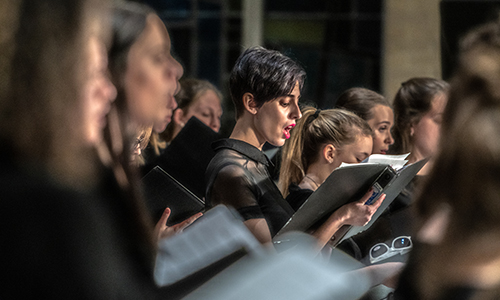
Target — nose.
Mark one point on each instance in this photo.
(389, 140)
(111, 90)
(105, 90)
(296, 113)
(215, 124)
(179, 70)
(173, 104)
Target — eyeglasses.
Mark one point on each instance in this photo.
(381, 251)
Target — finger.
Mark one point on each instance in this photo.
(366, 196)
(164, 218)
(187, 222)
(379, 201)
(194, 217)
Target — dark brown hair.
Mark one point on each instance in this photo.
(266, 74)
(413, 100)
(361, 101)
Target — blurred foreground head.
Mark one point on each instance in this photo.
(43, 67)
(459, 208)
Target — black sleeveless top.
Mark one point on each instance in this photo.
(238, 176)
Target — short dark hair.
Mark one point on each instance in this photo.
(266, 74)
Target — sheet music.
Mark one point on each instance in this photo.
(212, 237)
(291, 275)
(397, 162)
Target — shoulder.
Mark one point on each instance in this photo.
(227, 161)
(297, 196)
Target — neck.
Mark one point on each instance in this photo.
(316, 174)
(417, 155)
(177, 129)
(244, 131)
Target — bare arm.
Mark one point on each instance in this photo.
(260, 229)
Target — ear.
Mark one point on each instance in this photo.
(412, 130)
(178, 117)
(329, 153)
(249, 103)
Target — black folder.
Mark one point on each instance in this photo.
(345, 185)
(161, 190)
(188, 155)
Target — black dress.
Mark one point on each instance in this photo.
(238, 176)
(58, 243)
(297, 196)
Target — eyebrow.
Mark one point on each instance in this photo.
(384, 122)
(158, 47)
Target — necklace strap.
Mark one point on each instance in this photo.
(314, 181)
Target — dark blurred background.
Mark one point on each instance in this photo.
(375, 44)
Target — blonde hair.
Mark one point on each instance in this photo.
(142, 141)
(315, 129)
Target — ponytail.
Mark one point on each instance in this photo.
(315, 129)
(292, 161)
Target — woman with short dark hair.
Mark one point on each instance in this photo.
(265, 88)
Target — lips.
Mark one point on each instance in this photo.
(287, 129)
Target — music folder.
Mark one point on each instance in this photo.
(187, 157)
(345, 185)
(161, 190)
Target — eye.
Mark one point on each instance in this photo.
(285, 103)
(382, 128)
(160, 58)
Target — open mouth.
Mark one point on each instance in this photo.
(287, 129)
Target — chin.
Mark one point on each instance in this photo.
(278, 143)
(160, 128)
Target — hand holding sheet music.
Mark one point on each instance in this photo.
(162, 231)
(347, 184)
(359, 213)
